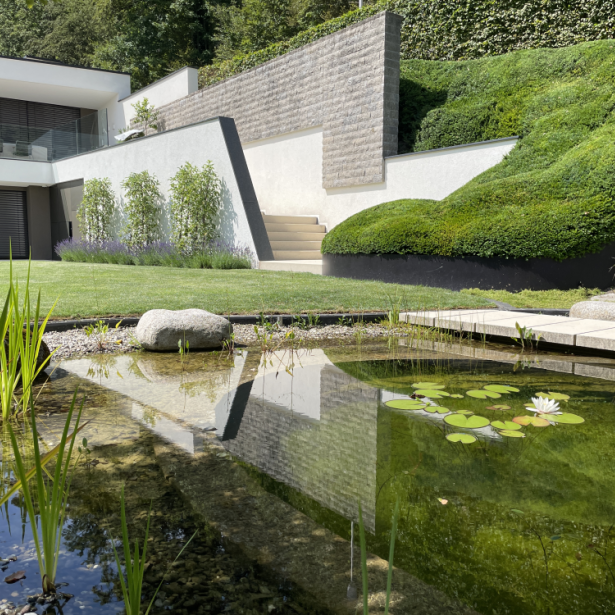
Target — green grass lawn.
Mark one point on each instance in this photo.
(85, 290)
(537, 298)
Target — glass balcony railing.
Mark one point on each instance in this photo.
(48, 144)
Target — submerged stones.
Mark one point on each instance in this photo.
(599, 310)
(194, 329)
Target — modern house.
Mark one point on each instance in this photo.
(301, 143)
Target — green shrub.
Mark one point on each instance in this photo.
(96, 211)
(552, 196)
(143, 209)
(453, 30)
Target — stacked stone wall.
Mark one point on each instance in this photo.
(347, 82)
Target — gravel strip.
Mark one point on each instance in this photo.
(76, 343)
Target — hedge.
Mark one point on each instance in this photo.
(455, 30)
(552, 196)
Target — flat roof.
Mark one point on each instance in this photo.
(58, 63)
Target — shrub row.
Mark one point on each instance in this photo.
(455, 30)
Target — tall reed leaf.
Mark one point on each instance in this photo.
(132, 585)
(364, 558)
(20, 345)
(52, 499)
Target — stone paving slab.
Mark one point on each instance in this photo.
(599, 340)
(581, 332)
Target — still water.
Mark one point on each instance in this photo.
(268, 456)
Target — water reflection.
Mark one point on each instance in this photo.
(503, 525)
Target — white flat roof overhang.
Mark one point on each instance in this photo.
(23, 173)
(59, 84)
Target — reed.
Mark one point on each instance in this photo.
(52, 499)
(364, 559)
(134, 565)
(20, 346)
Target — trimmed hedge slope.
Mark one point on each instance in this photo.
(454, 30)
(553, 195)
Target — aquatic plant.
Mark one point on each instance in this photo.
(364, 559)
(20, 345)
(52, 500)
(134, 565)
(544, 406)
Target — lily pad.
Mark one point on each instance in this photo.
(535, 421)
(564, 419)
(517, 511)
(427, 385)
(436, 409)
(432, 393)
(500, 407)
(466, 422)
(464, 412)
(501, 388)
(405, 404)
(457, 396)
(483, 394)
(554, 396)
(464, 438)
(509, 433)
(507, 425)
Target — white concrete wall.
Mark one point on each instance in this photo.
(287, 175)
(162, 92)
(162, 154)
(24, 173)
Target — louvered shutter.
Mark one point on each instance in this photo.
(13, 224)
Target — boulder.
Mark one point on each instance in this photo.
(599, 310)
(605, 297)
(162, 329)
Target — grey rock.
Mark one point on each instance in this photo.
(162, 329)
(598, 310)
(605, 297)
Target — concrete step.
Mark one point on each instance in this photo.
(307, 266)
(275, 236)
(294, 255)
(290, 219)
(295, 228)
(295, 245)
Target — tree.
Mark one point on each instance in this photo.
(96, 211)
(196, 197)
(145, 114)
(142, 209)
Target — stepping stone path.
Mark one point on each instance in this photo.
(576, 330)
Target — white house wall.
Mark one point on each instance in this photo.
(162, 92)
(162, 155)
(287, 175)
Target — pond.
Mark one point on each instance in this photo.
(268, 455)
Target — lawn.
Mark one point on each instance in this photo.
(537, 298)
(85, 290)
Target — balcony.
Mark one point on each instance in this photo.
(86, 134)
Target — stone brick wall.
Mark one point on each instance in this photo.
(347, 82)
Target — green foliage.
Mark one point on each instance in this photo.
(447, 30)
(20, 346)
(142, 209)
(51, 499)
(134, 565)
(96, 211)
(223, 69)
(145, 115)
(196, 197)
(552, 196)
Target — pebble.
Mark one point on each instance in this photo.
(76, 343)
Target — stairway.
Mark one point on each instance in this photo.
(295, 241)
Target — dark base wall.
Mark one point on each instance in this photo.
(591, 271)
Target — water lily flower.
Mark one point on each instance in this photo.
(544, 406)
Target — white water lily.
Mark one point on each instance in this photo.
(544, 406)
